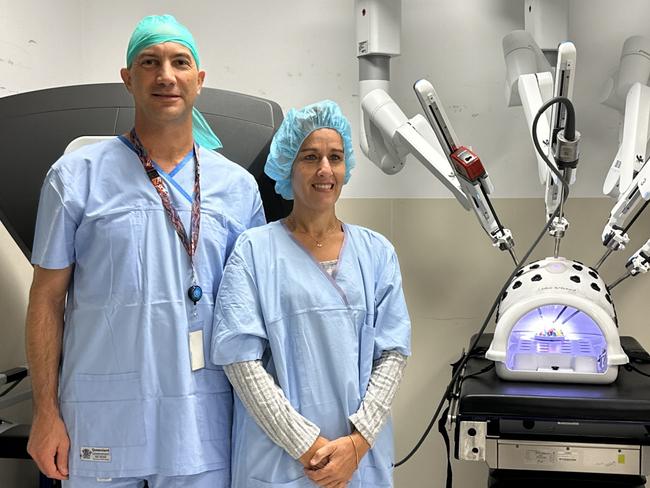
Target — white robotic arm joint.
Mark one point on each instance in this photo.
(391, 136)
(639, 262)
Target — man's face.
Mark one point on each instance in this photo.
(164, 81)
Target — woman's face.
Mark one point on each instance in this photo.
(318, 172)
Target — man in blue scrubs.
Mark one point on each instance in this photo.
(131, 238)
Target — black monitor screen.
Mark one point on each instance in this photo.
(36, 127)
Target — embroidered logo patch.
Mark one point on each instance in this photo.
(96, 454)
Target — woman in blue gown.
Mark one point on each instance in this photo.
(311, 325)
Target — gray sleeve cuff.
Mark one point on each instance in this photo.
(269, 407)
(375, 408)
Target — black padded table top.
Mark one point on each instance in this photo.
(626, 400)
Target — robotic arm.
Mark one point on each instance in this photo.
(388, 136)
(628, 179)
(529, 82)
(629, 202)
(636, 133)
(638, 263)
(467, 166)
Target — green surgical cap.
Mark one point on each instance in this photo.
(156, 29)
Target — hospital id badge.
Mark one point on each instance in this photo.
(197, 359)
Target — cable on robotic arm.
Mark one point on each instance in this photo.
(566, 153)
(460, 365)
(636, 216)
(569, 135)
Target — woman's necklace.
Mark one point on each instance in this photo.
(319, 243)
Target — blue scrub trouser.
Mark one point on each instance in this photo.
(209, 479)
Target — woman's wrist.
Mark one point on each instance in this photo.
(360, 443)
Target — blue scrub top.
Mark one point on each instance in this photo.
(131, 403)
(316, 334)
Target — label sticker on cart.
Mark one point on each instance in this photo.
(568, 456)
(549, 457)
(539, 456)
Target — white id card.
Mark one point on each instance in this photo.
(197, 360)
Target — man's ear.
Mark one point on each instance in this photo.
(201, 80)
(125, 74)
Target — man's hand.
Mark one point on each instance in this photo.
(48, 441)
(49, 445)
(341, 456)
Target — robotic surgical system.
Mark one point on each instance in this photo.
(580, 408)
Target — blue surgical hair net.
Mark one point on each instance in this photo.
(156, 29)
(295, 128)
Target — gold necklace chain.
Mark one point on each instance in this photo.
(292, 223)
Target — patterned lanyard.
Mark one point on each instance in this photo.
(194, 292)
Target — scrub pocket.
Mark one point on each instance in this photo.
(302, 482)
(110, 246)
(106, 410)
(215, 417)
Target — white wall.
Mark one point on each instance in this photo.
(298, 52)
(40, 44)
